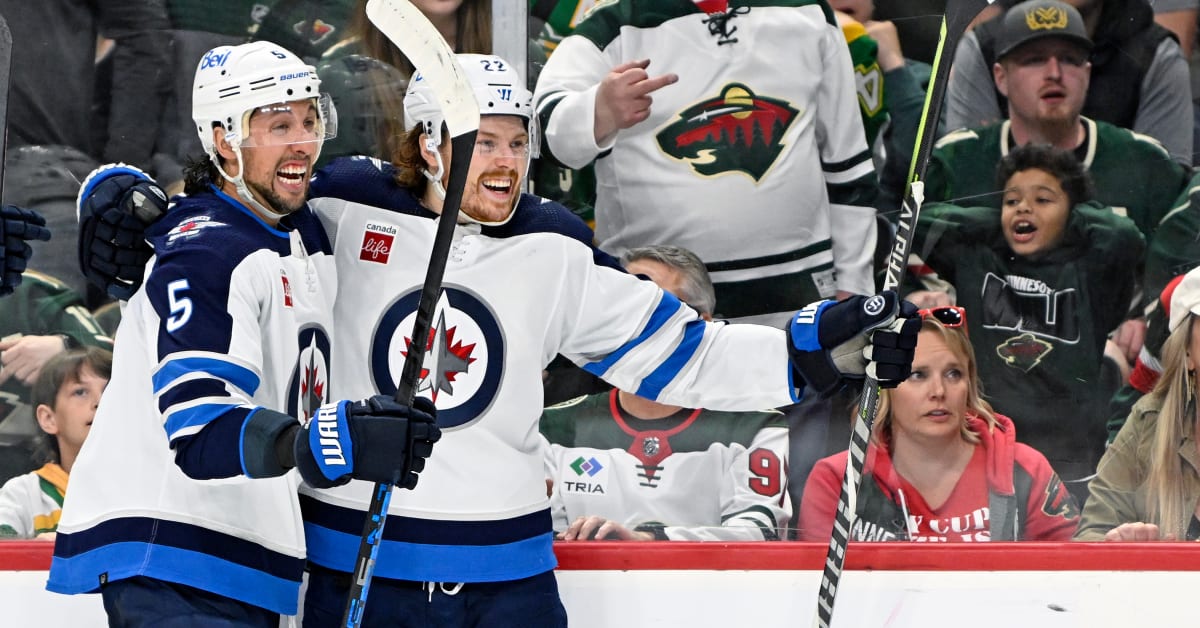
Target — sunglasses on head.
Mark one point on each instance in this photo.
(947, 315)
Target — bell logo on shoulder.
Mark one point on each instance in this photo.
(377, 243)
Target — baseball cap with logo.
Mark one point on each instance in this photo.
(1036, 19)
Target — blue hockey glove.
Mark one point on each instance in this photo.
(116, 203)
(831, 341)
(17, 227)
(376, 439)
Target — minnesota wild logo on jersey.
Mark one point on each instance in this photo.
(738, 131)
(1024, 351)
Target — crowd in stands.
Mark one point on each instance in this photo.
(749, 160)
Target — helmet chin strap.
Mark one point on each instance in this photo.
(243, 192)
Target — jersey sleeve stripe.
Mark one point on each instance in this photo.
(760, 514)
(191, 391)
(188, 421)
(667, 306)
(241, 377)
(853, 164)
(658, 379)
(861, 172)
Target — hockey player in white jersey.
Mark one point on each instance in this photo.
(182, 510)
(472, 544)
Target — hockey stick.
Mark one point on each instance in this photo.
(420, 41)
(958, 15)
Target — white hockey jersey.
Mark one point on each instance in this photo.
(31, 504)
(698, 475)
(755, 159)
(233, 316)
(508, 306)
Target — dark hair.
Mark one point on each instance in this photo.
(198, 173)
(1061, 164)
(67, 366)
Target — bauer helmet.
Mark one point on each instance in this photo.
(233, 81)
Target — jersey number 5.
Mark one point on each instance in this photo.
(181, 306)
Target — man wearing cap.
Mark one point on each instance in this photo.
(1043, 70)
(1139, 77)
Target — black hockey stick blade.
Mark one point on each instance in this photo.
(6, 45)
(420, 41)
(959, 14)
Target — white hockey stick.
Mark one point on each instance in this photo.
(420, 41)
(958, 15)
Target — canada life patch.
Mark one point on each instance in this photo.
(377, 243)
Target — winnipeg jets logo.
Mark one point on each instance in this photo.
(464, 353)
(191, 228)
(445, 359)
(312, 386)
(737, 131)
(309, 388)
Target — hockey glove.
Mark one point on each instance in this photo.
(830, 341)
(116, 203)
(377, 440)
(17, 227)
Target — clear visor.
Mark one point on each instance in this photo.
(522, 148)
(312, 120)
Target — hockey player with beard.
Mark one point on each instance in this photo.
(182, 509)
(471, 546)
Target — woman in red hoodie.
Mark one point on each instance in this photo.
(943, 466)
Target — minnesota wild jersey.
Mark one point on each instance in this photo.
(696, 475)
(749, 160)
